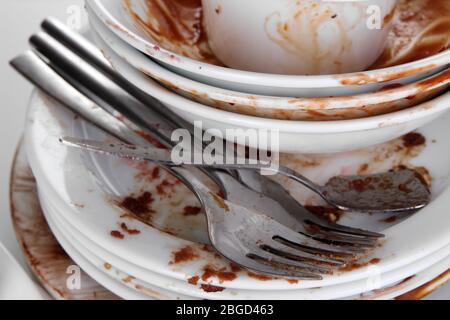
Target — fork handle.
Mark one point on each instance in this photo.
(91, 53)
(85, 49)
(32, 67)
(38, 72)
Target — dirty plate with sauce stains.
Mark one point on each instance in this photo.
(417, 47)
(105, 194)
(26, 205)
(389, 99)
(299, 136)
(294, 136)
(169, 288)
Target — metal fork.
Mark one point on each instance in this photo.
(291, 211)
(165, 157)
(251, 239)
(345, 199)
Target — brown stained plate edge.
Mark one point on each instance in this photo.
(427, 289)
(51, 272)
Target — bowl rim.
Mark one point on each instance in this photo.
(263, 79)
(199, 89)
(176, 101)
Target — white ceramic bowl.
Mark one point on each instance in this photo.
(116, 16)
(332, 108)
(298, 37)
(294, 136)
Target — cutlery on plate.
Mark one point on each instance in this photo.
(402, 187)
(78, 61)
(245, 236)
(347, 199)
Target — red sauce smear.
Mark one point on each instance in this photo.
(234, 267)
(221, 274)
(259, 277)
(413, 139)
(211, 288)
(139, 205)
(165, 187)
(191, 211)
(117, 234)
(193, 280)
(155, 173)
(185, 254)
(125, 228)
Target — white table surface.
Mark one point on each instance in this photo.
(18, 20)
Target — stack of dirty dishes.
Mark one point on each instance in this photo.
(344, 100)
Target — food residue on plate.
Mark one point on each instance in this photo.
(390, 219)
(413, 139)
(260, 277)
(222, 274)
(332, 215)
(117, 234)
(139, 205)
(126, 229)
(184, 254)
(211, 288)
(176, 26)
(193, 280)
(166, 187)
(128, 279)
(356, 265)
(191, 211)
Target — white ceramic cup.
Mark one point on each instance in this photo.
(301, 37)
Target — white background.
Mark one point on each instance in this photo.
(18, 20)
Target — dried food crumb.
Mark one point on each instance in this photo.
(184, 254)
(139, 205)
(211, 288)
(117, 234)
(413, 139)
(125, 228)
(191, 211)
(193, 280)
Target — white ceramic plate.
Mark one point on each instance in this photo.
(116, 17)
(110, 283)
(181, 287)
(408, 284)
(287, 108)
(93, 214)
